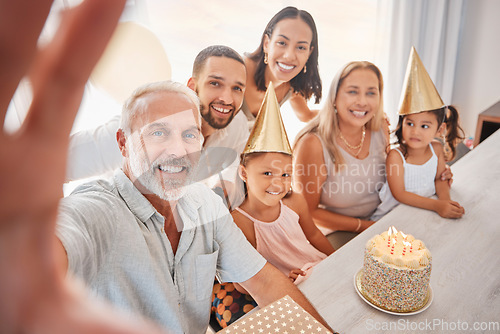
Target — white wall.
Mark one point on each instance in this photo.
(477, 80)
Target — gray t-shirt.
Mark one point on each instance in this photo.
(116, 243)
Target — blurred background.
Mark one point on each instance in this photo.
(457, 41)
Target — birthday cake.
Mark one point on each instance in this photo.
(396, 272)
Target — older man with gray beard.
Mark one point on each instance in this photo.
(151, 241)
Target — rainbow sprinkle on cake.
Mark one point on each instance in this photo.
(396, 271)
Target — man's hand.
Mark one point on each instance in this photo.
(36, 297)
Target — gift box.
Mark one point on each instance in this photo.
(283, 316)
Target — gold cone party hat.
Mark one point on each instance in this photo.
(268, 133)
(419, 93)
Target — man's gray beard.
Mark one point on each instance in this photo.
(168, 190)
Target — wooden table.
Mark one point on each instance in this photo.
(465, 274)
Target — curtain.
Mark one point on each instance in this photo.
(434, 28)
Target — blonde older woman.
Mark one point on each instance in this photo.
(340, 155)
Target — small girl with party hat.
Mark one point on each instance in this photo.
(415, 166)
(274, 219)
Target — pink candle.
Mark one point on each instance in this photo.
(406, 245)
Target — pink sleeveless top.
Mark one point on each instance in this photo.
(284, 244)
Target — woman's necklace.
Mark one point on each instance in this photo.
(358, 147)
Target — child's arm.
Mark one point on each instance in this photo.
(312, 233)
(395, 178)
(442, 187)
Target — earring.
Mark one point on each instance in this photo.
(305, 68)
(265, 58)
(335, 108)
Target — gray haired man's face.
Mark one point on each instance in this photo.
(163, 148)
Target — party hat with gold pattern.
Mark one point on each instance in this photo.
(268, 133)
(419, 93)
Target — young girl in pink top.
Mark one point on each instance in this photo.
(274, 219)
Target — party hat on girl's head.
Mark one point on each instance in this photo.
(268, 133)
(419, 93)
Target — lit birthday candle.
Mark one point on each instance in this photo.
(392, 248)
(406, 245)
(389, 232)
